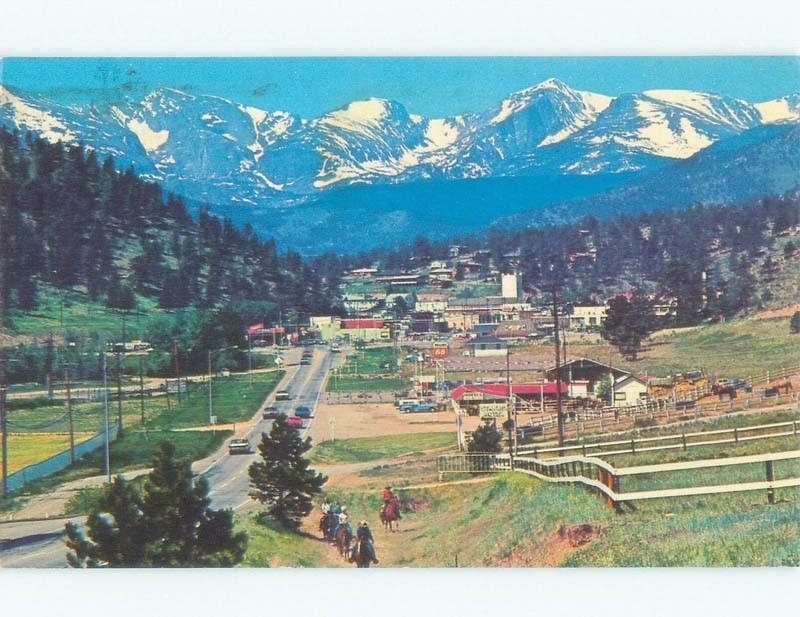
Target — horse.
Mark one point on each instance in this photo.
(326, 525)
(360, 557)
(390, 516)
(342, 541)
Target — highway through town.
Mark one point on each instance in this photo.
(26, 544)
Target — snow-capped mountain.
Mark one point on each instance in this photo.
(241, 158)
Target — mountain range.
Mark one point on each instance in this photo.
(549, 151)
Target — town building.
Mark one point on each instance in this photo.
(629, 390)
(589, 373)
(485, 399)
(509, 284)
(588, 316)
(365, 330)
(484, 346)
(431, 302)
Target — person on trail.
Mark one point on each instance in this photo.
(367, 542)
(325, 506)
(388, 495)
(343, 522)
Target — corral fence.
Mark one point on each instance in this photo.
(361, 397)
(644, 482)
(59, 461)
(677, 441)
(588, 421)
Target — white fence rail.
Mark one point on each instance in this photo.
(605, 478)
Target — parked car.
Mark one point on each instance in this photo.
(294, 421)
(240, 446)
(282, 395)
(302, 411)
(270, 413)
(305, 361)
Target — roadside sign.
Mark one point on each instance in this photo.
(492, 410)
(440, 350)
(470, 395)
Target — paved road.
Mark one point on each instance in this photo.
(40, 543)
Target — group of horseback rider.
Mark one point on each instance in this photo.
(335, 516)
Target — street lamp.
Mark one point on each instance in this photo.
(210, 354)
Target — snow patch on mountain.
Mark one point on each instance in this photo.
(28, 116)
(785, 109)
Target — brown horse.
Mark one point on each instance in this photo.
(326, 525)
(360, 556)
(390, 515)
(342, 540)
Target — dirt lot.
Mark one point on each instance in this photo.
(373, 419)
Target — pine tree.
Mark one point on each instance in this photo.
(794, 323)
(283, 481)
(628, 323)
(169, 524)
(485, 438)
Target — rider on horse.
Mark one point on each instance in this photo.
(390, 497)
(366, 541)
(343, 522)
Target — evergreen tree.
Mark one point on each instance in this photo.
(794, 323)
(283, 481)
(485, 438)
(169, 524)
(628, 323)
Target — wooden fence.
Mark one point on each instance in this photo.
(581, 422)
(597, 474)
(675, 441)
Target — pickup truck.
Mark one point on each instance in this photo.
(418, 407)
(240, 446)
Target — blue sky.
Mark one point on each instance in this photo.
(437, 86)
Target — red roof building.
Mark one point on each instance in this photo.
(361, 324)
(547, 388)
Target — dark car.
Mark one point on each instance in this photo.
(302, 411)
(270, 413)
(240, 446)
(305, 361)
(282, 395)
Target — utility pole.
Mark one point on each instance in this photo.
(69, 413)
(210, 404)
(509, 421)
(560, 415)
(250, 358)
(141, 391)
(105, 418)
(120, 357)
(3, 420)
(177, 367)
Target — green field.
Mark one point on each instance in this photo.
(369, 370)
(740, 348)
(29, 449)
(360, 449)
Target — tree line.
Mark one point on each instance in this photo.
(69, 219)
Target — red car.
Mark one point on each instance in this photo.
(294, 421)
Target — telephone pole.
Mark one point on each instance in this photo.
(141, 390)
(3, 422)
(105, 418)
(560, 415)
(177, 367)
(69, 413)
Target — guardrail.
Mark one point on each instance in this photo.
(597, 474)
(681, 440)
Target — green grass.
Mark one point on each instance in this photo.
(347, 384)
(81, 315)
(370, 361)
(361, 449)
(270, 545)
(24, 450)
(233, 400)
(738, 348)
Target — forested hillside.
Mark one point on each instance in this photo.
(716, 260)
(69, 219)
